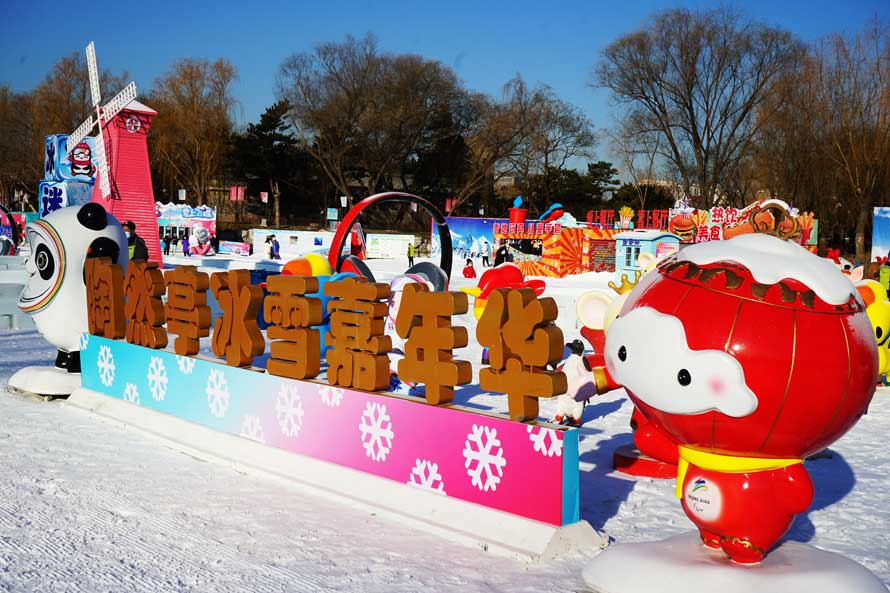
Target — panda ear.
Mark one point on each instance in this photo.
(104, 247)
(93, 216)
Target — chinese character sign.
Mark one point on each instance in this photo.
(144, 311)
(295, 352)
(424, 318)
(518, 329)
(358, 354)
(188, 315)
(236, 334)
(105, 298)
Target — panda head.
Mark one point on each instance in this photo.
(61, 242)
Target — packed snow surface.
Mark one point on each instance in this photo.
(90, 505)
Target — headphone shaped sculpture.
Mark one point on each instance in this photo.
(438, 276)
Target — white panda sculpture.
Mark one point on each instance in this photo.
(55, 292)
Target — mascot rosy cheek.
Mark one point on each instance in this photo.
(752, 354)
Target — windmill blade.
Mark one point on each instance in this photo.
(94, 74)
(121, 100)
(81, 132)
(102, 166)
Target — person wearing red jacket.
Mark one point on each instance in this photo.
(469, 270)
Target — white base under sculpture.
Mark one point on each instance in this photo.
(47, 380)
(681, 564)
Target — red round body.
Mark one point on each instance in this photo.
(811, 364)
(745, 514)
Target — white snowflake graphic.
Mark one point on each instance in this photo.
(105, 362)
(84, 341)
(217, 391)
(545, 441)
(484, 458)
(425, 475)
(289, 410)
(157, 378)
(252, 428)
(131, 393)
(331, 396)
(376, 429)
(186, 364)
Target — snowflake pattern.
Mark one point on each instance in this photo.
(376, 429)
(105, 362)
(252, 428)
(484, 458)
(289, 410)
(545, 441)
(331, 396)
(217, 391)
(84, 340)
(131, 393)
(186, 364)
(157, 378)
(425, 475)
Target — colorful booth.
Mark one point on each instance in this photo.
(178, 220)
(629, 245)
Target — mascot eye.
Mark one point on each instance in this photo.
(43, 259)
(622, 354)
(878, 333)
(684, 378)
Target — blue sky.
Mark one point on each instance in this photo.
(486, 42)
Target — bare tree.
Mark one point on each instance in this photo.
(697, 78)
(560, 132)
(361, 112)
(848, 83)
(21, 170)
(191, 134)
(493, 132)
(638, 150)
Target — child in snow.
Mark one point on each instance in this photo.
(570, 405)
(469, 270)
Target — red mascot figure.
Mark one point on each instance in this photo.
(752, 354)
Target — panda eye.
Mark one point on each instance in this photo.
(622, 354)
(684, 378)
(43, 259)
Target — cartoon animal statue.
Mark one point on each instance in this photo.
(596, 311)
(199, 244)
(877, 307)
(570, 405)
(55, 293)
(741, 351)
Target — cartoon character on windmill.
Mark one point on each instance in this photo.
(81, 160)
(751, 354)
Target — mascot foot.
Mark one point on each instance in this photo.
(48, 381)
(742, 550)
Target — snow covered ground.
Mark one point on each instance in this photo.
(89, 505)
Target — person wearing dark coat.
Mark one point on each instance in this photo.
(135, 243)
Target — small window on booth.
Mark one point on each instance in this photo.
(628, 252)
(636, 256)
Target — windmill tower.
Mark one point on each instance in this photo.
(123, 174)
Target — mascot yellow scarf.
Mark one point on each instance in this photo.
(725, 463)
